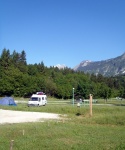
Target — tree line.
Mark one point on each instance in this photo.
(17, 78)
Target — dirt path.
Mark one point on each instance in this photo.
(9, 116)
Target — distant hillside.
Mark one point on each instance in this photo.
(110, 67)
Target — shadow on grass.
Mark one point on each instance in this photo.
(119, 104)
(78, 114)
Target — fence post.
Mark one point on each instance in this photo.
(23, 132)
(90, 104)
(11, 144)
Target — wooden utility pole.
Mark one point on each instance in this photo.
(90, 104)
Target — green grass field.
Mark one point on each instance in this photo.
(78, 131)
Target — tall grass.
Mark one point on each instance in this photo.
(78, 131)
(59, 136)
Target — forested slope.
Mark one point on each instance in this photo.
(17, 78)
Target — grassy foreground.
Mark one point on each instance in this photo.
(78, 131)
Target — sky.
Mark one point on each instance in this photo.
(63, 31)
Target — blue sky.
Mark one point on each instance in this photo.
(63, 31)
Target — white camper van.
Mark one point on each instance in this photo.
(37, 100)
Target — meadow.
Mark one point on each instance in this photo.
(104, 130)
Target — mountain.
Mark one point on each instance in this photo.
(60, 66)
(109, 67)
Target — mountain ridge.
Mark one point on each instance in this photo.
(110, 67)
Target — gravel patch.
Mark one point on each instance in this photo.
(10, 116)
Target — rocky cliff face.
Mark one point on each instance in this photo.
(110, 67)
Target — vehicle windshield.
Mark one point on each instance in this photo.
(34, 99)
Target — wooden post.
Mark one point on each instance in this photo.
(23, 131)
(11, 144)
(90, 104)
